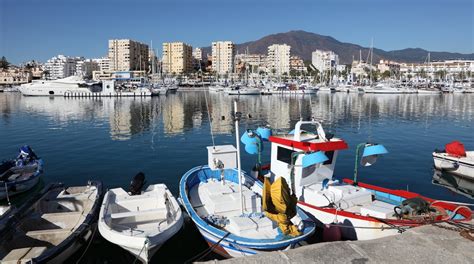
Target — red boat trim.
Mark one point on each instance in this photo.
(465, 212)
(310, 146)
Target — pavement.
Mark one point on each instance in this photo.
(425, 244)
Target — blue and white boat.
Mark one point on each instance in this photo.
(228, 210)
(20, 174)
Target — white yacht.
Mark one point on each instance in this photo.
(58, 87)
(75, 86)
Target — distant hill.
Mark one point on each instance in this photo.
(304, 43)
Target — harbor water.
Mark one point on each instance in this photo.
(112, 139)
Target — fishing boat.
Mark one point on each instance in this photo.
(52, 225)
(455, 159)
(236, 215)
(140, 221)
(349, 209)
(21, 173)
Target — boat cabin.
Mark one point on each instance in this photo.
(288, 152)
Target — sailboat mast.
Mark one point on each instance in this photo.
(239, 169)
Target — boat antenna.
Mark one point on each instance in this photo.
(208, 111)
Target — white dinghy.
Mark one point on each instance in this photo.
(455, 159)
(140, 222)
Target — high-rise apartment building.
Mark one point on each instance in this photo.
(177, 57)
(222, 57)
(279, 59)
(128, 55)
(324, 60)
(61, 66)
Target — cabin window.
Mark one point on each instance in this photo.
(284, 155)
(330, 155)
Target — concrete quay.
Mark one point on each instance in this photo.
(425, 244)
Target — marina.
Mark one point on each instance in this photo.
(126, 135)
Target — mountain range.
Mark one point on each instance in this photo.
(304, 43)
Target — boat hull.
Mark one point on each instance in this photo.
(141, 246)
(357, 227)
(18, 188)
(453, 165)
(227, 244)
(81, 236)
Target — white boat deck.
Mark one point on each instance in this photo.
(222, 200)
(51, 221)
(138, 215)
(349, 198)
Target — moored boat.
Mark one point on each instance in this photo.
(242, 90)
(51, 226)
(236, 214)
(455, 159)
(349, 209)
(140, 222)
(21, 173)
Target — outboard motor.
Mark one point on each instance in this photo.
(25, 156)
(413, 207)
(137, 184)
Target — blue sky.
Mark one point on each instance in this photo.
(40, 29)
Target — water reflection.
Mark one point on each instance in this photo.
(184, 111)
(455, 183)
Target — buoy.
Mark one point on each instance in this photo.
(332, 232)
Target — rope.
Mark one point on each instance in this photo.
(206, 252)
(370, 227)
(210, 120)
(144, 245)
(88, 244)
(445, 201)
(6, 192)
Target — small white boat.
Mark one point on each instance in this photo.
(455, 160)
(51, 226)
(326, 89)
(140, 223)
(428, 91)
(159, 90)
(216, 88)
(243, 90)
(20, 174)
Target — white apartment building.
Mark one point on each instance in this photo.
(450, 67)
(390, 66)
(223, 57)
(103, 63)
(278, 59)
(61, 66)
(297, 64)
(84, 68)
(197, 54)
(128, 55)
(254, 62)
(177, 57)
(197, 58)
(324, 60)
